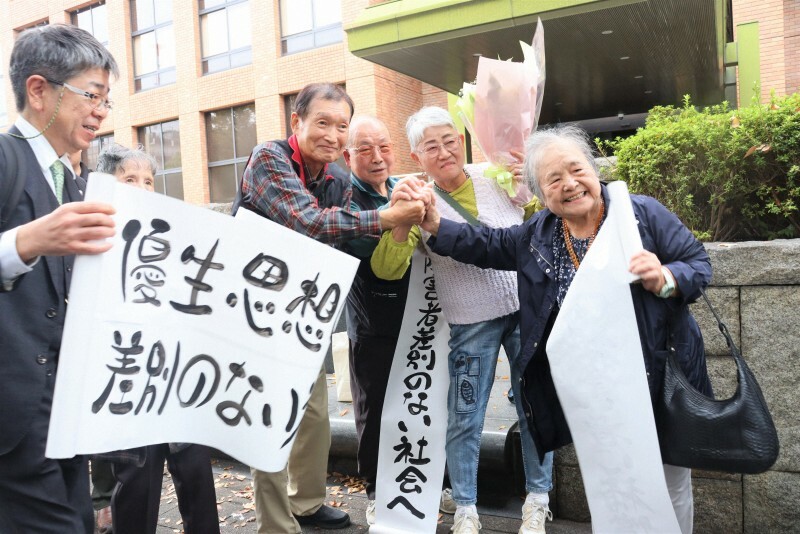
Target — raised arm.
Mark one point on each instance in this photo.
(488, 248)
(392, 256)
(270, 185)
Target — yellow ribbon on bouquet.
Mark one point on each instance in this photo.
(504, 177)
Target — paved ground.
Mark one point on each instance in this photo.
(500, 506)
(237, 515)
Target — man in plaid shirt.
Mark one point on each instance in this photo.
(293, 183)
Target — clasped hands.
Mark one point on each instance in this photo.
(413, 202)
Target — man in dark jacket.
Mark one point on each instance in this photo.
(60, 77)
(374, 306)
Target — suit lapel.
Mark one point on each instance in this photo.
(73, 189)
(80, 182)
(73, 193)
(43, 202)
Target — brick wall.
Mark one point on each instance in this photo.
(791, 35)
(374, 89)
(779, 42)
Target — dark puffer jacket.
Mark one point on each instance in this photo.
(664, 324)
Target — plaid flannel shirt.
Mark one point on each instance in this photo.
(272, 186)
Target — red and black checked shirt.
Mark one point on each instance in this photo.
(272, 187)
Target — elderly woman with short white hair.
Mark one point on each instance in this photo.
(547, 251)
(481, 307)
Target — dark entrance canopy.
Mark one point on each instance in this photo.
(604, 57)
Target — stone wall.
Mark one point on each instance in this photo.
(756, 290)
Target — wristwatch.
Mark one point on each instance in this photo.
(669, 284)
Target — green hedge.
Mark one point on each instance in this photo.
(729, 175)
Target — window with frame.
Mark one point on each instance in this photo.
(153, 43)
(230, 138)
(91, 154)
(225, 34)
(43, 22)
(94, 19)
(163, 142)
(307, 24)
(288, 107)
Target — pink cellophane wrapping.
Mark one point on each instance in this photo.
(508, 98)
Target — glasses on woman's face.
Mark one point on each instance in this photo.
(431, 150)
(366, 151)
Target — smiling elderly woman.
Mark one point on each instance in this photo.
(481, 307)
(546, 252)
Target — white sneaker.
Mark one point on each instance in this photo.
(533, 518)
(371, 512)
(447, 505)
(466, 523)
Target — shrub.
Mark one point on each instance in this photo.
(729, 175)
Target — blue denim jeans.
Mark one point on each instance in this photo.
(473, 358)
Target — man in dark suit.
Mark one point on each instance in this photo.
(60, 77)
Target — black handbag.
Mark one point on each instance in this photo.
(733, 435)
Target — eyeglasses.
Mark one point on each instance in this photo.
(95, 100)
(366, 150)
(432, 150)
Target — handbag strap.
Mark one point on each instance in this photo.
(470, 218)
(722, 328)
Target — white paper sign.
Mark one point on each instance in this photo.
(414, 425)
(598, 369)
(195, 327)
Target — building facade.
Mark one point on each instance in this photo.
(203, 81)
(608, 61)
(777, 27)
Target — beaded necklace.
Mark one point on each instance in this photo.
(568, 241)
(439, 189)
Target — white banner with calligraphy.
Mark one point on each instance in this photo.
(597, 366)
(195, 327)
(414, 425)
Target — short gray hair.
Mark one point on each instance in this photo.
(322, 91)
(541, 140)
(114, 157)
(355, 126)
(424, 119)
(57, 52)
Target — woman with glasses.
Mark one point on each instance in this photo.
(481, 307)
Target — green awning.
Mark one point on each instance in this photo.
(604, 57)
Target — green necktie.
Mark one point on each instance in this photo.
(57, 168)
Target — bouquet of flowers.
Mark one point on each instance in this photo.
(502, 108)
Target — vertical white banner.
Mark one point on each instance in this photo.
(598, 369)
(414, 426)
